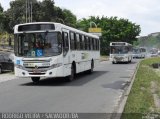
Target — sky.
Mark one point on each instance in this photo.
(145, 13)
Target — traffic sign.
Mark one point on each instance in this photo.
(94, 30)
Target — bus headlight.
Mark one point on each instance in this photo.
(19, 66)
(46, 64)
(55, 65)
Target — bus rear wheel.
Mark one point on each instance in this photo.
(0, 70)
(35, 79)
(92, 67)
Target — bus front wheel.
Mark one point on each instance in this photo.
(35, 79)
(71, 77)
(92, 67)
(113, 62)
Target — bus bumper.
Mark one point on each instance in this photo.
(55, 72)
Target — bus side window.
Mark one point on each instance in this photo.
(72, 41)
(65, 43)
(89, 43)
(77, 42)
(92, 47)
(96, 44)
(85, 42)
(93, 42)
(82, 42)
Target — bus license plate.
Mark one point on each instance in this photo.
(36, 71)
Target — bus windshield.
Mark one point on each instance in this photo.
(44, 44)
(119, 49)
(143, 49)
(136, 51)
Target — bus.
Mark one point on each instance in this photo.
(136, 52)
(143, 52)
(139, 52)
(120, 52)
(49, 49)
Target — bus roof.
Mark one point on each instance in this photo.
(57, 26)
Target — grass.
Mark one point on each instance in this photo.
(104, 58)
(4, 38)
(140, 100)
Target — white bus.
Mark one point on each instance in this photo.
(143, 52)
(48, 49)
(139, 52)
(120, 52)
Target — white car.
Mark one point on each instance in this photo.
(154, 54)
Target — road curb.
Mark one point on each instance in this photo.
(117, 113)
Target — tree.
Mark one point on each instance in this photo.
(44, 11)
(69, 18)
(1, 18)
(113, 30)
(150, 41)
(15, 14)
(65, 16)
(1, 8)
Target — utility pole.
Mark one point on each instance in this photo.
(26, 10)
(29, 10)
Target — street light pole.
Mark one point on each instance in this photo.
(93, 23)
(60, 20)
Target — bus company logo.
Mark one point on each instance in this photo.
(36, 67)
(35, 70)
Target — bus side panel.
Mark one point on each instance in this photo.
(66, 70)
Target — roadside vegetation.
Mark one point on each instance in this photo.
(104, 58)
(4, 39)
(144, 97)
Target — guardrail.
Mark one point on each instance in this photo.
(6, 50)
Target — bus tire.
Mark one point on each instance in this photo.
(35, 79)
(71, 77)
(0, 70)
(92, 67)
(113, 62)
(128, 61)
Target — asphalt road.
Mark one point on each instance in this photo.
(95, 93)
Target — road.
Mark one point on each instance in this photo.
(95, 93)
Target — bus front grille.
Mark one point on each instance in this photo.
(36, 73)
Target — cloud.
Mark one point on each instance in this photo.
(5, 4)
